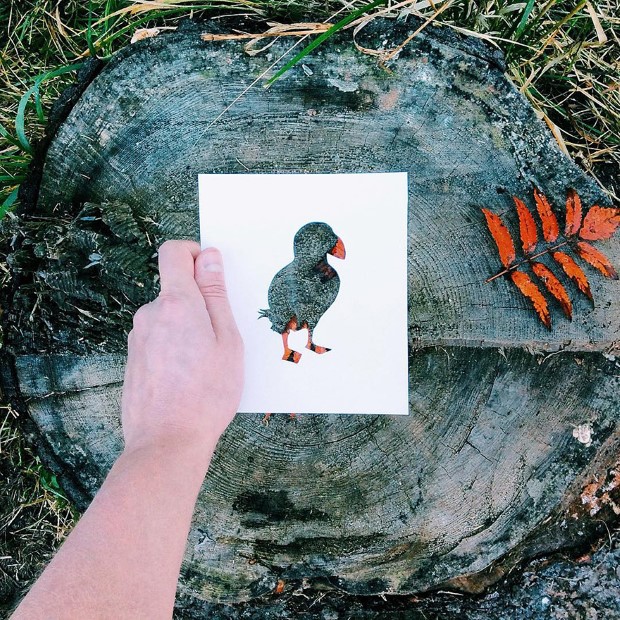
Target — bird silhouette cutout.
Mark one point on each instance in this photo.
(303, 291)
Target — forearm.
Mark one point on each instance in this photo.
(182, 387)
(123, 558)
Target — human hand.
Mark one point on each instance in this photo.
(184, 373)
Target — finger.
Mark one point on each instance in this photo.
(209, 274)
(176, 266)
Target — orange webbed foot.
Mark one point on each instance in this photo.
(291, 356)
(316, 348)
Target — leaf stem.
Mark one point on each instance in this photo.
(526, 260)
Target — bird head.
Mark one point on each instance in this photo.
(315, 240)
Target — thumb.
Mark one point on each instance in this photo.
(209, 275)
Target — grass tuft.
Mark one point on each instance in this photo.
(35, 516)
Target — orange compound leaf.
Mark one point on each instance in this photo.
(597, 259)
(532, 292)
(600, 223)
(550, 227)
(574, 272)
(527, 227)
(573, 213)
(555, 287)
(502, 238)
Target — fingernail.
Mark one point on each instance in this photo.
(212, 260)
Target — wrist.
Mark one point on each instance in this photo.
(185, 453)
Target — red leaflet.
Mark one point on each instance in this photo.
(532, 292)
(527, 227)
(502, 238)
(573, 213)
(554, 286)
(597, 259)
(550, 227)
(574, 272)
(600, 223)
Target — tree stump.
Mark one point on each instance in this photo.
(485, 471)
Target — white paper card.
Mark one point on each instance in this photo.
(253, 220)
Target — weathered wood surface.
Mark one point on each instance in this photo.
(484, 471)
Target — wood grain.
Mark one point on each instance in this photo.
(372, 504)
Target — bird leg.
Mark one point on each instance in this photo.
(289, 354)
(315, 347)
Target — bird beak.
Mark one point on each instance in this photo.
(338, 250)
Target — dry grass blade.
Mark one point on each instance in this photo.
(600, 33)
(557, 133)
(281, 30)
(557, 27)
(146, 6)
(148, 33)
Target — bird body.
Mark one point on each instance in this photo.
(303, 291)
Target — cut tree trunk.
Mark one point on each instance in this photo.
(485, 471)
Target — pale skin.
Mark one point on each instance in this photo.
(182, 387)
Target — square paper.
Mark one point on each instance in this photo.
(253, 220)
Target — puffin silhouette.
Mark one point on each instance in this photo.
(302, 292)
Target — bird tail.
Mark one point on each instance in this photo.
(263, 314)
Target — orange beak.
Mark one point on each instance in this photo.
(338, 250)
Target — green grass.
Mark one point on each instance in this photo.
(562, 54)
(35, 516)
(555, 55)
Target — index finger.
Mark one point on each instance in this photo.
(176, 266)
